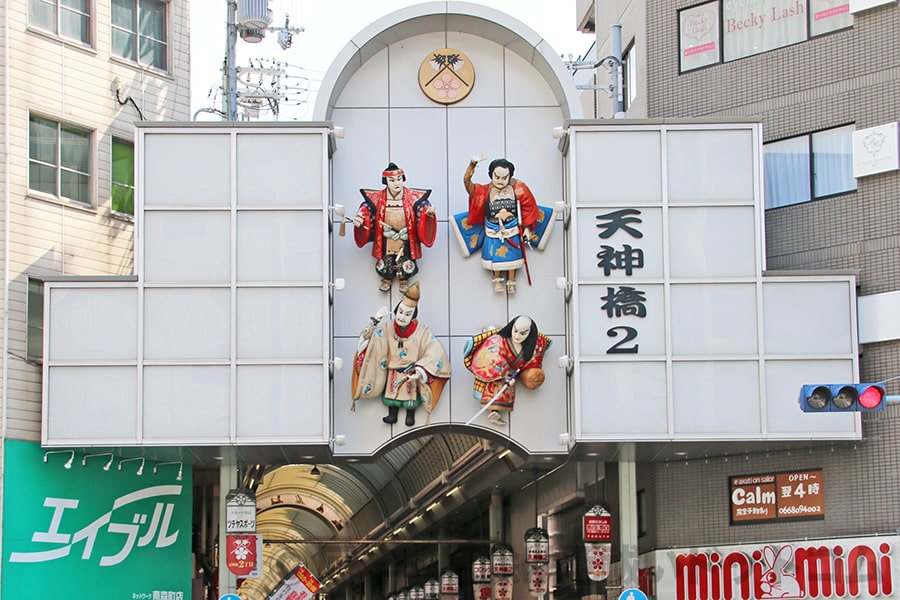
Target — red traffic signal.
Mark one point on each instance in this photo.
(842, 397)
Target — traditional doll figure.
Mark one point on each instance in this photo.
(400, 361)
(499, 358)
(397, 220)
(509, 213)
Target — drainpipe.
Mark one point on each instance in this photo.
(618, 97)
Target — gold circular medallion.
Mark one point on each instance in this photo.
(446, 76)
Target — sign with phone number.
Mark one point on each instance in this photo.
(777, 496)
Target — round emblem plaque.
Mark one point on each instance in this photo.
(446, 76)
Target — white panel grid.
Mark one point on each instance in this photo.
(719, 336)
(187, 351)
(90, 365)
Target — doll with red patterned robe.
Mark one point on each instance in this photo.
(501, 357)
(398, 221)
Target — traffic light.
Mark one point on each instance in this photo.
(842, 397)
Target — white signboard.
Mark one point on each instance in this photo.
(875, 150)
(226, 327)
(672, 311)
(861, 5)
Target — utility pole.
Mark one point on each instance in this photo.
(230, 98)
(613, 63)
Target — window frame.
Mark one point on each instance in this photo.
(812, 187)
(138, 37)
(58, 11)
(58, 165)
(720, 40)
(113, 184)
(34, 355)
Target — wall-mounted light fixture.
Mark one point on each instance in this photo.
(333, 286)
(108, 462)
(68, 463)
(174, 462)
(335, 364)
(564, 285)
(140, 470)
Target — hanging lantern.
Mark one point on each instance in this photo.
(502, 560)
(432, 589)
(503, 588)
(481, 569)
(481, 578)
(537, 546)
(417, 593)
(597, 542)
(403, 594)
(537, 579)
(449, 583)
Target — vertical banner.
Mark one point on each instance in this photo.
(299, 584)
(244, 554)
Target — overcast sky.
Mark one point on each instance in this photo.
(329, 25)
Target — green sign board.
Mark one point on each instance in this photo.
(84, 531)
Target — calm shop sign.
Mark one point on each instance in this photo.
(839, 568)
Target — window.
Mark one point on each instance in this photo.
(122, 192)
(34, 340)
(59, 160)
(811, 166)
(66, 18)
(629, 63)
(139, 32)
(726, 30)
(642, 513)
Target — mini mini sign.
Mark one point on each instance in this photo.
(446, 76)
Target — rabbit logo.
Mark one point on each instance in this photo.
(775, 582)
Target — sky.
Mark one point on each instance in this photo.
(328, 26)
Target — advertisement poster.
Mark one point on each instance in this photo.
(109, 532)
(299, 584)
(777, 496)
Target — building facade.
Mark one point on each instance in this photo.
(225, 373)
(820, 77)
(76, 76)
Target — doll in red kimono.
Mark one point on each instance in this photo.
(397, 220)
(499, 358)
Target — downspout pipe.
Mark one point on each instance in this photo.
(618, 96)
